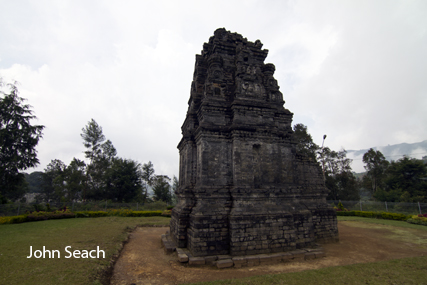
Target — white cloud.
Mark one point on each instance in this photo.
(353, 70)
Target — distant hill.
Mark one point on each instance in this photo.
(391, 152)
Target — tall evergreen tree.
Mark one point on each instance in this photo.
(18, 141)
(100, 154)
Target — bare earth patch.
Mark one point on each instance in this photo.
(143, 260)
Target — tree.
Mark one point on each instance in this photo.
(18, 141)
(100, 154)
(148, 177)
(175, 185)
(305, 144)
(376, 166)
(161, 189)
(124, 180)
(52, 185)
(35, 181)
(339, 178)
(74, 177)
(407, 177)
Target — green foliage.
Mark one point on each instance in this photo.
(148, 178)
(418, 220)
(376, 167)
(340, 206)
(100, 154)
(162, 188)
(408, 174)
(18, 141)
(13, 219)
(35, 181)
(91, 214)
(38, 216)
(375, 215)
(60, 214)
(305, 145)
(52, 186)
(118, 213)
(123, 180)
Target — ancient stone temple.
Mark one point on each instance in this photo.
(244, 189)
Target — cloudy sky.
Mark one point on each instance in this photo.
(354, 70)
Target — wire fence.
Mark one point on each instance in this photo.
(391, 207)
(22, 208)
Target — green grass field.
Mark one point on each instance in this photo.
(109, 232)
(81, 234)
(399, 271)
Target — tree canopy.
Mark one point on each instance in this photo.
(18, 141)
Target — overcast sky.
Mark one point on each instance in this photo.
(354, 70)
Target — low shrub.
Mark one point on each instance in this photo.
(121, 213)
(374, 215)
(146, 213)
(418, 220)
(167, 213)
(91, 214)
(13, 219)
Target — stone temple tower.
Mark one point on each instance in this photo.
(244, 189)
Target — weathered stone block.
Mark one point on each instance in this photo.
(224, 263)
(196, 261)
(182, 257)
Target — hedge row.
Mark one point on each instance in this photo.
(38, 216)
(418, 220)
(375, 215)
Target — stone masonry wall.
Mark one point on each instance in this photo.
(243, 188)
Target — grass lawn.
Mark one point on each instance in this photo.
(400, 271)
(109, 232)
(81, 234)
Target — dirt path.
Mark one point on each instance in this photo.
(143, 261)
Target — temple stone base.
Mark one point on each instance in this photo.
(226, 261)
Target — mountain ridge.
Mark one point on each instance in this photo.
(391, 152)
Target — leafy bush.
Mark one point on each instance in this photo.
(375, 215)
(167, 213)
(421, 219)
(13, 219)
(146, 213)
(65, 213)
(340, 207)
(91, 214)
